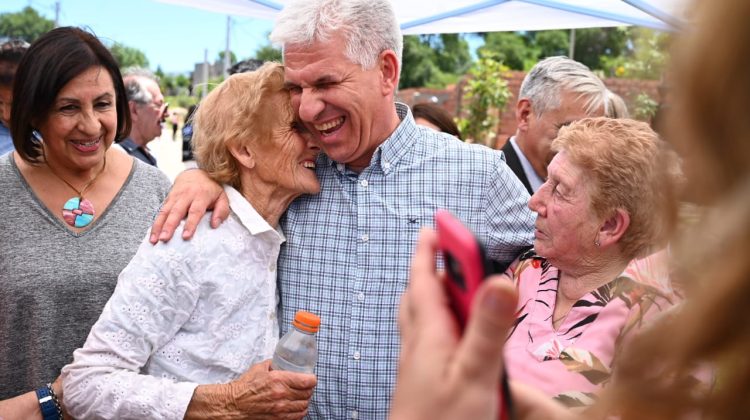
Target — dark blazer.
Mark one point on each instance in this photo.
(511, 158)
(138, 152)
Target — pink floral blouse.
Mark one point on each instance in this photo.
(573, 362)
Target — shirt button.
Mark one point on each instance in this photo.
(365, 237)
(363, 183)
(272, 266)
(340, 167)
(361, 297)
(356, 355)
(355, 415)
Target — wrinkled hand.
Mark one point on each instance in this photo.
(273, 394)
(441, 375)
(258, 394)
(192, 194)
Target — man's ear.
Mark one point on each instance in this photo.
(613, 228)
(133, 110)
(389, 71)
(523, 112)
(244, 155)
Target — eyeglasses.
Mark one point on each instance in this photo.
(162, 108)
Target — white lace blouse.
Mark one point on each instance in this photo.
(184, 313)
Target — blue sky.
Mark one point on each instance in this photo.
(173, 37)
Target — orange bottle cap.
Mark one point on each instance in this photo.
(306, 321)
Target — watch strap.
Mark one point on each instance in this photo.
(47, 404)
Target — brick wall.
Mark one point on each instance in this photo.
(450, 98)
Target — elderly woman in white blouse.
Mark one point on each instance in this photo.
(191, 325)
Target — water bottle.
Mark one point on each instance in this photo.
(297, 351)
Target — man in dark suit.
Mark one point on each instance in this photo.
(555, 92)
(513, 161)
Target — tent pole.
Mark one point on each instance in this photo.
(227, 56)
(205, 74)
(572, 46)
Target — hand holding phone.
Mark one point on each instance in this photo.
(466, 267)
(466, 264)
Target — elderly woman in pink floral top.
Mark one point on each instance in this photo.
(582, 290)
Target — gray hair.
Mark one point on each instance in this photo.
(617, 106)
(134, 87)
(544, 82)
(369, 27)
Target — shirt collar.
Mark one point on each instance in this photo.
(248, 216)
(398, 146)
(535, 181)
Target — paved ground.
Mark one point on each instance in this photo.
(168, 152)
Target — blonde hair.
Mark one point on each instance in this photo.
(244, 108)
(629, 168)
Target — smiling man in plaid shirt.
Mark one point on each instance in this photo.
(382, 178)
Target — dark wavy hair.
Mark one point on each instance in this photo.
(53, 60)
(438, 116)
(10, 54)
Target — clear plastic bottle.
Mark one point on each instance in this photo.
(297, 351)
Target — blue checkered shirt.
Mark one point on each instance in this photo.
(349, 248)
(6, 141)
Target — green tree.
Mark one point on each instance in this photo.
(594, 43)
(645, 107)
(451, 52)
(128, 56)
(232, 57)
(487, 94)
(645, 60)
(433, 60)
(418, 66)
(166, 81)
(552, 43)
(182, 81)
(514, 49)
(268, 53)
(27, 24)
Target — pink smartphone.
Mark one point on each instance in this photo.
(466, 266)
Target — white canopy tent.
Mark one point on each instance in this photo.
(452, 16)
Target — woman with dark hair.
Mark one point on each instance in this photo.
(79, 211)
(435, 117)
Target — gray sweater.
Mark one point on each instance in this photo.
(54, 282)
